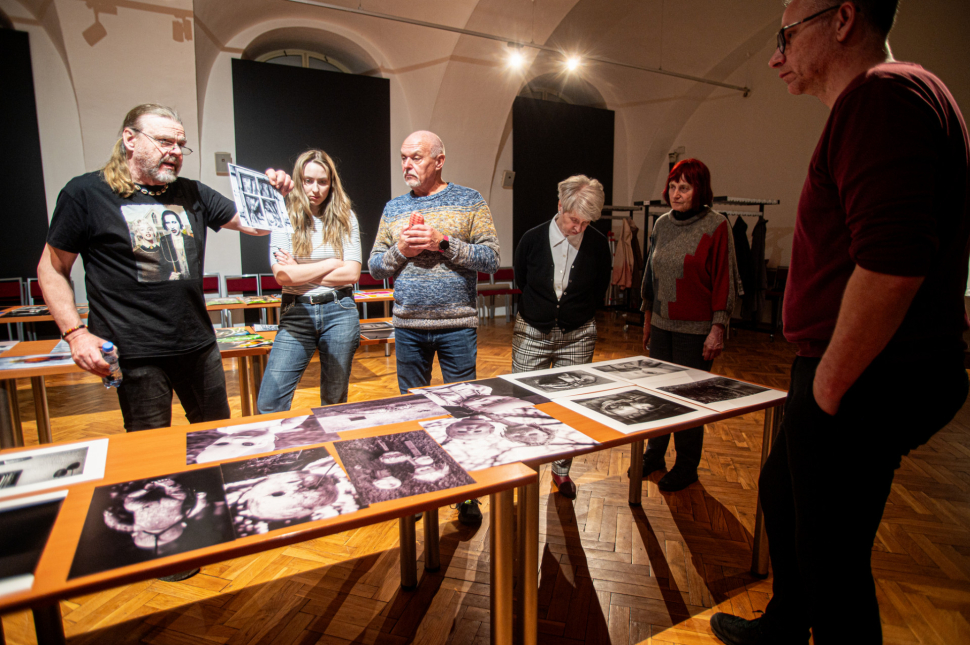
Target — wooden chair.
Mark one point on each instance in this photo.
(502, 284)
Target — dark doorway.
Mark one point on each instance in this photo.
(550, 142)
(281, 111)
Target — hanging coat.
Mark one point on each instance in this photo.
(754, 300)
(623, 258)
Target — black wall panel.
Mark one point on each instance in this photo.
(550, 142)
(24, 207)
(281, 111)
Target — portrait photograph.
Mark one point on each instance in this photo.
(231, 442)
(146, 519)
(278, 491)
(400, 465)
(637, 369)
(490, 395)
(563, 381)
(381, 412)
(632, 409)
(722, 394)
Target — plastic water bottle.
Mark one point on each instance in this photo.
(110, 354)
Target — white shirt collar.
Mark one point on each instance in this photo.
(556, 236)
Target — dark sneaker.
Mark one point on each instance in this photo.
(677, 479)
(418, 516)
(468, 512)
(740, 631)
(649, 466)
(180, 576)
(567, 488)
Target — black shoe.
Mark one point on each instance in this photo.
(677, 479)
(180, 576)
(566, 486)
(468, 512)
(739, 631)
(649, 466)
(418, 516)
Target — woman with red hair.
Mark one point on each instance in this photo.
(688, 296)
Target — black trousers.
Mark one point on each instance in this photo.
(146, 388)
(825, 484)
(686, 350)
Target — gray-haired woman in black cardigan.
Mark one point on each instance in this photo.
(563, 269)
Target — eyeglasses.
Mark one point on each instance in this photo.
(781, 32)
(166, 146)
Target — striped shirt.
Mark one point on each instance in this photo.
(321, 251)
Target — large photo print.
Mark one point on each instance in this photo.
(632, 409)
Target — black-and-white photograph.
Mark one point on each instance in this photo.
(485, 396)
(399, 465)
(162, 241)
(722, 394)
(230, 332)
(638, 368)
(146, 519)
(632, 409)
(27, 523)
(377, 330)
(260, 205)
(54, 466)
(563, 381)
(483, 441)
(277, 491)
(380, 412)
(205, 446)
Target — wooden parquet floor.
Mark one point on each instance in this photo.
(610, 573)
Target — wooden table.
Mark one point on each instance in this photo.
(153, 453)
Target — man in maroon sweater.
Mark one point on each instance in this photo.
(875, 305)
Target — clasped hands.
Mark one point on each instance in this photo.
(418, 238)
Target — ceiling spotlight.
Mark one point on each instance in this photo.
(573, 63)
(516, 57)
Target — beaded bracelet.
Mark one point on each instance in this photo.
(72, 330)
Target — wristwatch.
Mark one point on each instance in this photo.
(443, 244)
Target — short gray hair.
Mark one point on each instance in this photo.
(582, 196)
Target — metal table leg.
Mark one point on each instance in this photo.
(527, 566)
(636, 472)
(500, 573)
(759, 554)
(245, 398)
(41, 410)
(11, 433)
(48, 625)
(409, 555)
(432, 548)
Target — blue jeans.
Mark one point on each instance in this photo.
(334, 329)
(415, 348)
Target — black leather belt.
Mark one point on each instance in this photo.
(320, 298)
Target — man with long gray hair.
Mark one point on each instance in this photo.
(563, 269)
(157, 319)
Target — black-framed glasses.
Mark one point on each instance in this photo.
(781, 32)
(166, 146)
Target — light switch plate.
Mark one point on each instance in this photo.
(223, 159)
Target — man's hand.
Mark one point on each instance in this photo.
(280, 181)
(421, 237)
(714, 344)
(86, 352)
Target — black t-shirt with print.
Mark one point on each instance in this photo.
(143, 258)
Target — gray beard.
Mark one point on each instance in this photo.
(164, 176)
(413, 182)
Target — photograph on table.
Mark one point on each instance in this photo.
(52, 467)
(62, 347)
(632, 409)
(563, 381)
(377, 330)
(30, 310)
(35, 360)
(243, 341)
(490, 395)
(393, 466)
(277, 491)
(244, 440)
(27, 523)
(223, 301)
(223, 333)
(380, 412)
(722, 394)
(483, 441)
(7, 345)
(638, 369)
(259, 204)
(146, 519)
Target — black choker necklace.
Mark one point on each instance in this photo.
(155, 193)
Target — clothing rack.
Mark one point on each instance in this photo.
(612, 298)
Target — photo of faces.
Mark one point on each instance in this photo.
(146, 519)
(486, 440)
(491, 395)
(399, 465)
(722, 394)
(381, 412)
(162, 241)
(637, 369)
(632, 409)
(204, 446)
(277, 491)
(562, 381)
(260, 205)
